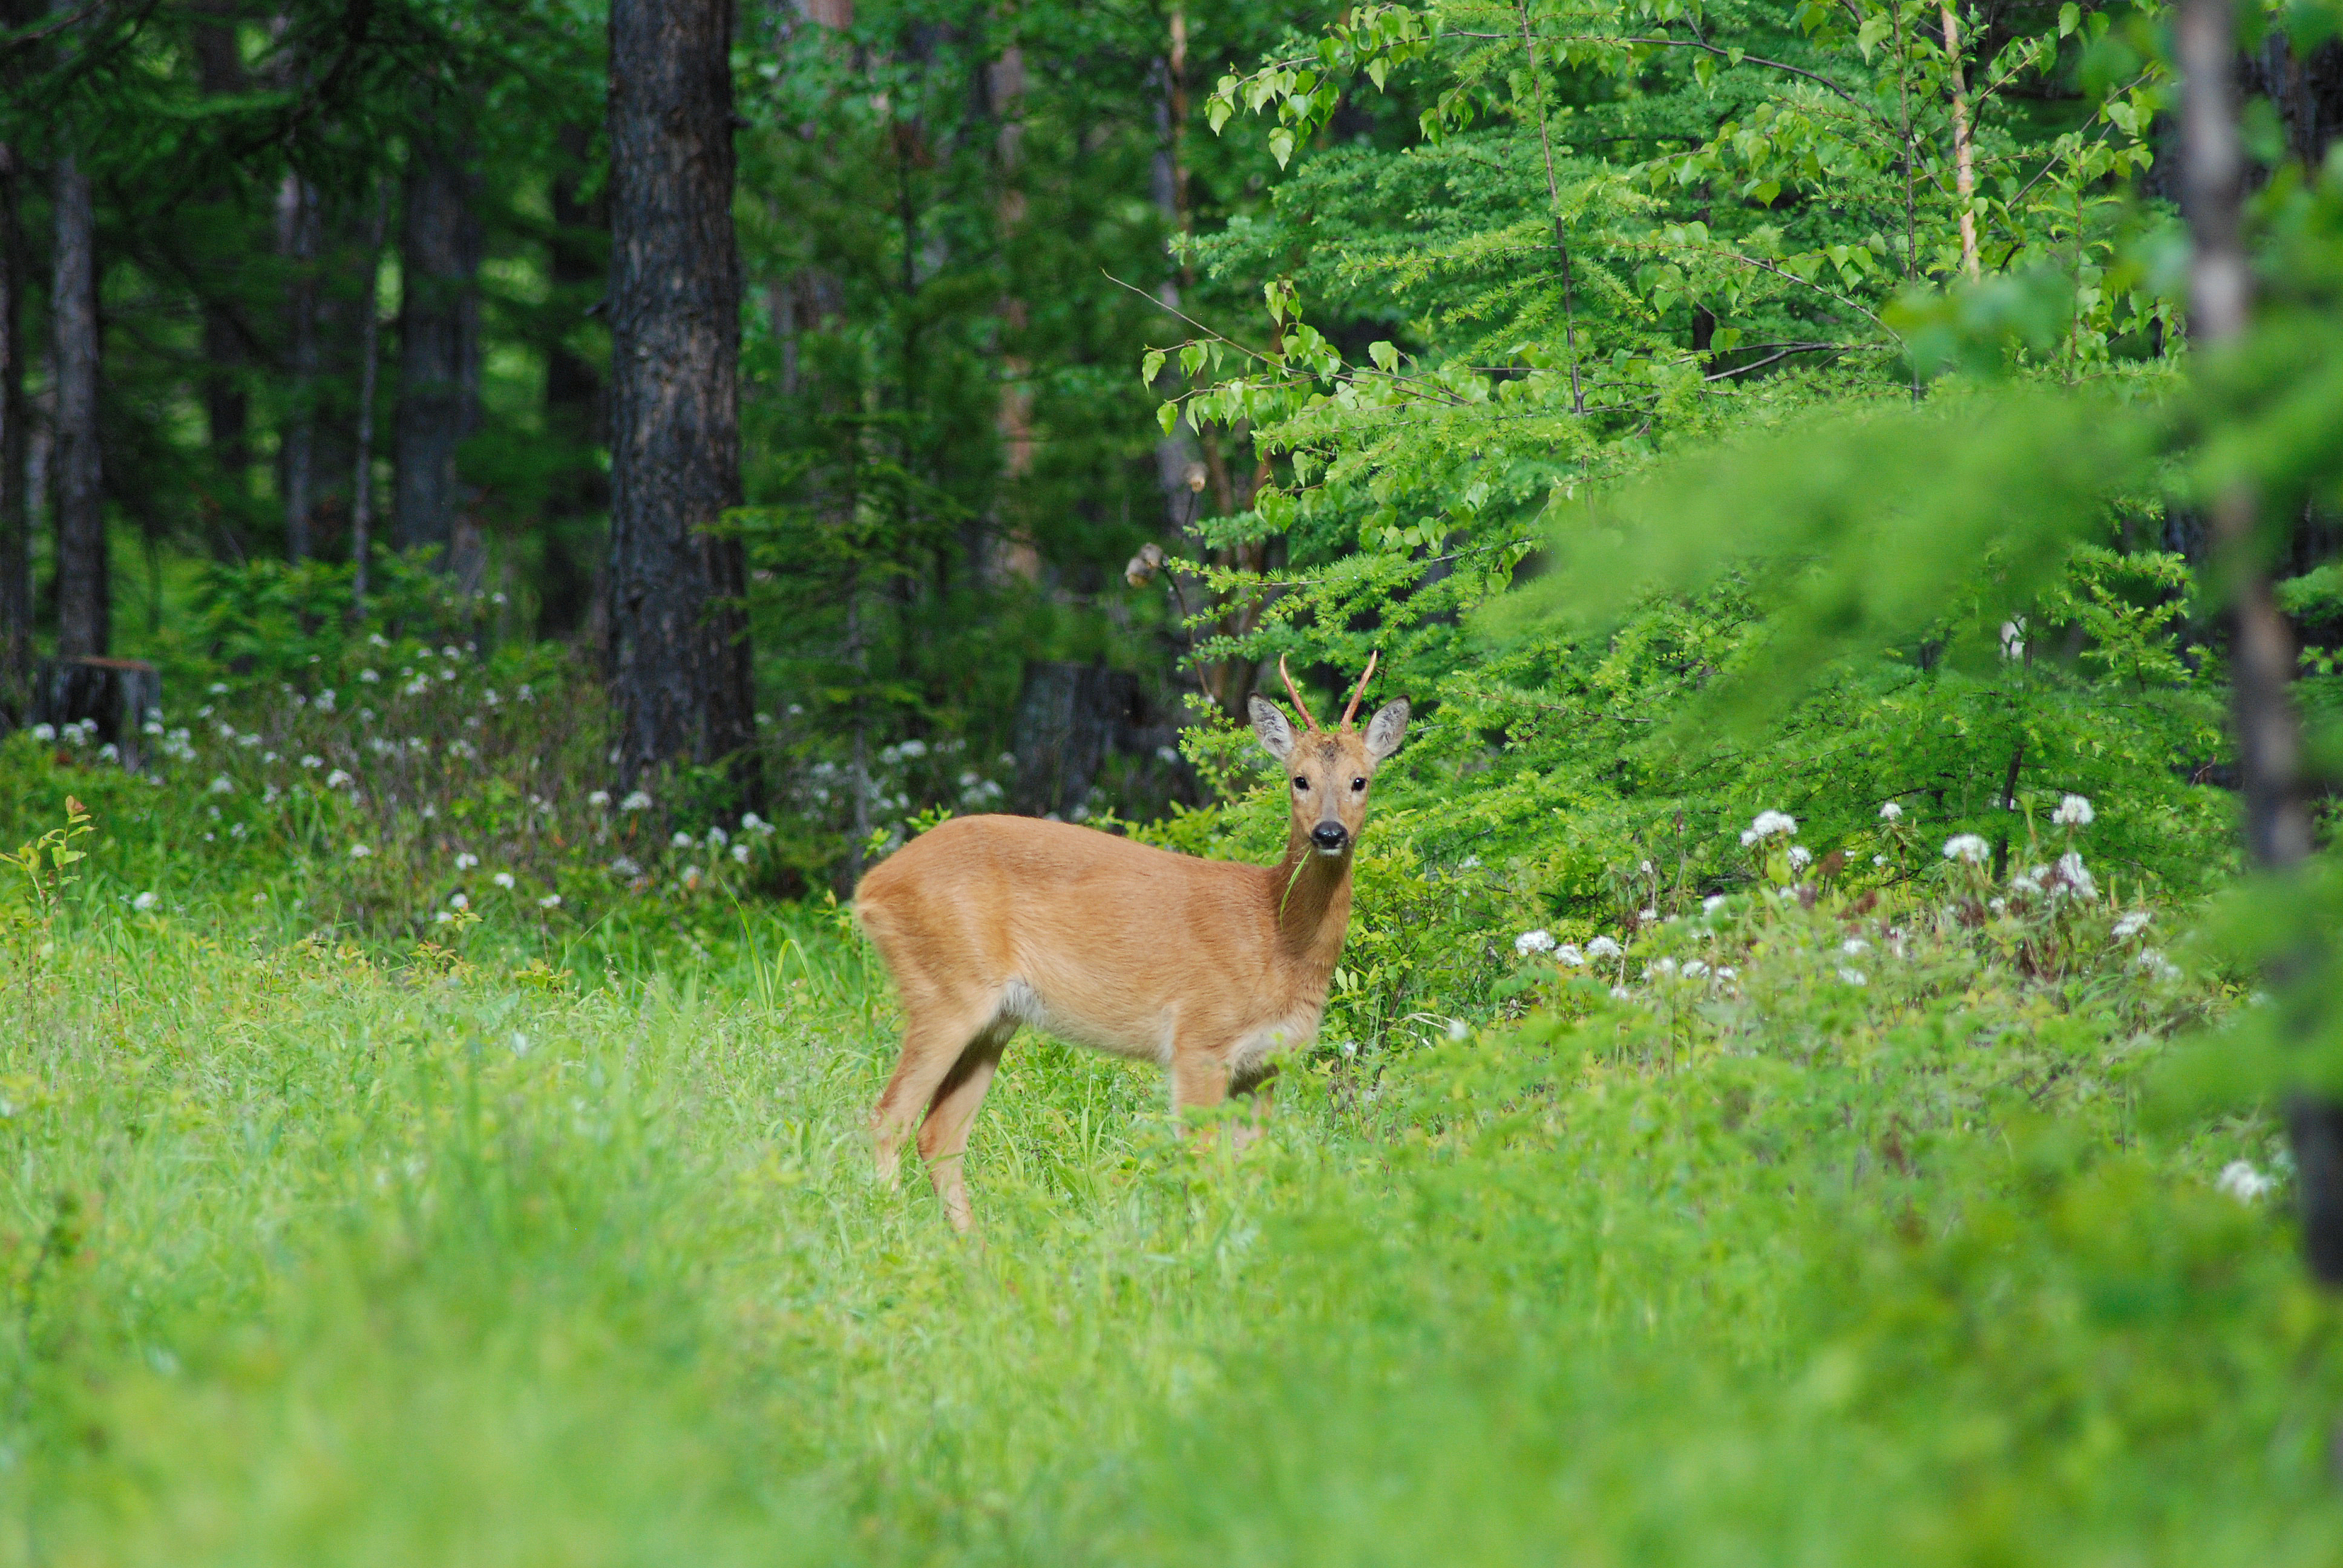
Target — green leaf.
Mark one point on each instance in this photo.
(1150, 365)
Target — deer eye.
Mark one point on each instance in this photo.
(1300, 782)
(1358, 784)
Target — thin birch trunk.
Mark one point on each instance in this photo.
(1964, 151)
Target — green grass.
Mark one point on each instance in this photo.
(318, 1255)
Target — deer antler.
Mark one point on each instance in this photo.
(1351, 712)
(1295, 692)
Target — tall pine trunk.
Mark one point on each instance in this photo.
(227, 409)
(83, 589)
(578, 264)
(15, 514)
(296, 241)
(681, 672)
(438, 349)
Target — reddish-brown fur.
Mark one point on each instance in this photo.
(1211, 968)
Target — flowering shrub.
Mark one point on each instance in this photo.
(388, 780)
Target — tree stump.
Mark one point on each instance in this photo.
(114, 694)
(1082, 726)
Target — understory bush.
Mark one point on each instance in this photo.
(1816, 1224)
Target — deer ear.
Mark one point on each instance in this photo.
(1269, 722)
(1385, 729)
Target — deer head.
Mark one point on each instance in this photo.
(1329, 770)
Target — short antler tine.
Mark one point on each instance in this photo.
(1295, 692)
(1353, 711)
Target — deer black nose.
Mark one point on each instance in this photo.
(1329, 836)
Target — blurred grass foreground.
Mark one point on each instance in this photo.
(534, 1238)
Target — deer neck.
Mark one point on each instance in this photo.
(1311, 901)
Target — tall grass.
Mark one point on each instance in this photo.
(320, 1253)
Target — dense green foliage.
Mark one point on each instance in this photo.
(1800, 1081)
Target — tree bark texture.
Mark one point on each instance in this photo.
(1964, 154)
(2220, 298)
(1074, 721)
(227, 410)
(115, 694)
(79, 476)
(680, 640)
(438, 348)
(297, 242)
(578, 265)
(15, 510)
(369, 371)
(2278, 820)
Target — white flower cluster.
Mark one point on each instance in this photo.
(1967, 848)
(1766, 825)
(2070, 873)
(2240, 1179)
(2074, 811)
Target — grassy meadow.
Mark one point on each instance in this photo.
(536, 1244)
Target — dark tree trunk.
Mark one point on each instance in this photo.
(296, 241)
(2305, 89)
(2270, 739)
(115, 694)
(2277, 822)
(80, 480)
(227, 411)
(369, 368)
(16, 513)
(681, 673)
(574, 410)
(1071, 719)
(438, 349)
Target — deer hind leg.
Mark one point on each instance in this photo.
(1258, 1088)
(934, 1040)
(943, 1135)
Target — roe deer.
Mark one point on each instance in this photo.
(1210, 967)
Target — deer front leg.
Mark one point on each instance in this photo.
(1199, 1081)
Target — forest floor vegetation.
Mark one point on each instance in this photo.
(519, 1241)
